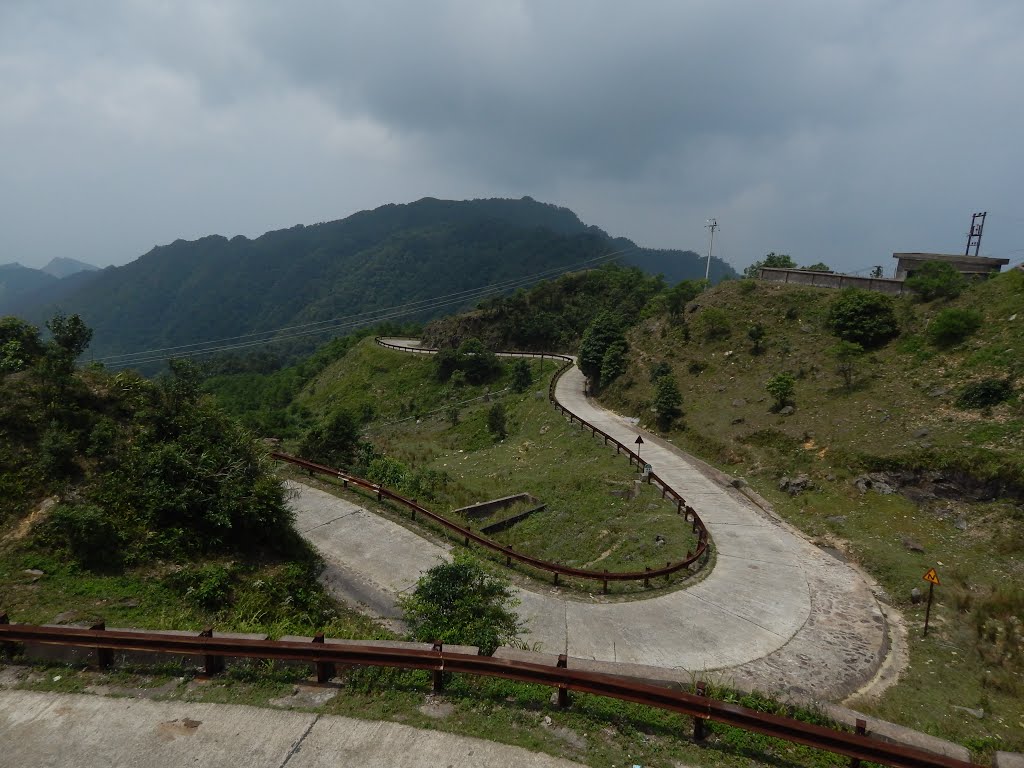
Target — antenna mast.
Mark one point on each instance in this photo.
(974, 236)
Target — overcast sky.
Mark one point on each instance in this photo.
(833, 131)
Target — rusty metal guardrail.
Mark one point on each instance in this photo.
(857, 746)
(667, 492)
(469, 535)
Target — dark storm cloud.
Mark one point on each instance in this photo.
(836, 131)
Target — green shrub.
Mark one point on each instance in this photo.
(522, 375)
(713, 323)
(387, 471)
(863, 317)
(985, 393)
(781, 387)
(746, 287)
(86, 533)
(207, 586)
(497, 421)
(951, 326)
(661, 369)
(460, 602)
(936, 280)
(847, 355)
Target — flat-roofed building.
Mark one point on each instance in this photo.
(968, 266)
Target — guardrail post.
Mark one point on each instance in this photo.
(325, 670)
(698, 722)
(437, 675)
(556, 578)
(378, 493)
(6, 647)
(861, 730)
(605, 588)
(104, 656)
(212, 664)
(647, 579)
(563, 692)
(508, 558)
(679, 508)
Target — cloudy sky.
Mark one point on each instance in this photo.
(837, 132)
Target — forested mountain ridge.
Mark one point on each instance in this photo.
(369, 262)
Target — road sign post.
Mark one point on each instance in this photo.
(932, 578)
(639, 441)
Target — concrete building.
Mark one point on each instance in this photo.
(968, 266)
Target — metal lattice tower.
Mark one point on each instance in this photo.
(974, 236)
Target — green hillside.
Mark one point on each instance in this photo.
(371, 262)
(892, 458)
(141, 502)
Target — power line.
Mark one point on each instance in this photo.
(344, 322)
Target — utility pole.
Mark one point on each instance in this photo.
(711, 225)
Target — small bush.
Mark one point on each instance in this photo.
(952, 326)
(661, 369)
(985, 393)
(87, 533)
(936, 280)
(746, 287)
(781, 387)
(460, 602)
(863, 317)
(713, 323)
(522, 376)
(497, 421)
(667, 402)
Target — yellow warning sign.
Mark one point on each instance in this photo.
(932, 577)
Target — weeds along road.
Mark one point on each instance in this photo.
(776, 612)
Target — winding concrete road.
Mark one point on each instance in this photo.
(776, 613)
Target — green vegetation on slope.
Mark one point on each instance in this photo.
(140, 502)
(432, 440)
(943, 421)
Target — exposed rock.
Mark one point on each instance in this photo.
(34, 572)
(795, 485)
(787, 410)
(837, 519)
(739, 402)
(64, 617)
(915, 596)
(659, 540)
(738, 420)
(876, 482)
(960, 524)
(938, 391)
(919, 433)
(912, 546)
(978, 713)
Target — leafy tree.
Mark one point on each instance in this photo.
(605, 329)
(70, 334)
(818, 267)
(20, 347)
(775, 260)
(677, 297)
(613, 364)
(936, 280)
(667, 402)
(781, 387)
(335, 442)
(951, 326)
(863, 317)
(756, 334)
(479, 363)
(462, 603)
(847, 355)
(876, 272)
(522, 375)
(497, 421)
